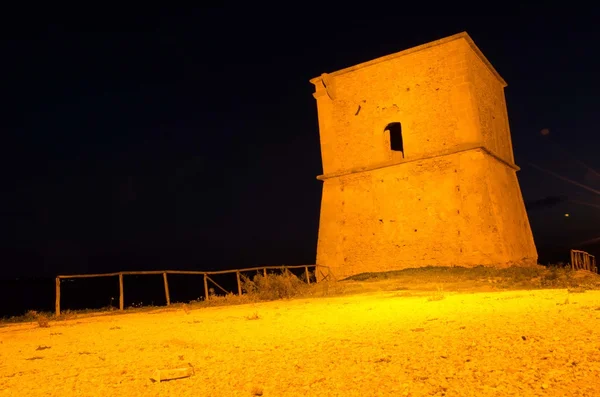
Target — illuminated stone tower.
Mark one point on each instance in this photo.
(418, 166)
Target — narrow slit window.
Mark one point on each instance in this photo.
(395, 131)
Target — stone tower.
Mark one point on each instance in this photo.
(418, 166)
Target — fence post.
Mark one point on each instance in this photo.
(265, 272)
(57, 305)
(121, 297)
(166, 288)
(237, 273)
(587, 262)
(206, 287)
(307, 274)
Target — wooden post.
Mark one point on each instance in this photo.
(121, 297)
(572, 261)
(307, 274)
(265, 272)
(587, 262)
(239, 283)
(166, 288)
(206, 287)
(57, 297)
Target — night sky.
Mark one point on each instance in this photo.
(189, 139)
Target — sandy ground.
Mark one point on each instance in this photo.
(519, 343)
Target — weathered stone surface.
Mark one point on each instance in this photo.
(450, 196)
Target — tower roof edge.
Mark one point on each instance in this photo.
(445, 40)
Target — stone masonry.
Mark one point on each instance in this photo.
(418, 166)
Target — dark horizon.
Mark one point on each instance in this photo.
(189, 139)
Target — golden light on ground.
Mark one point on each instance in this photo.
(519, 343)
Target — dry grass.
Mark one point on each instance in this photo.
(43, 321)
(274, 286)
(253, 316)
(438, 295)
(461, 278)
(433, 282)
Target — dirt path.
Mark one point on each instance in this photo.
(519, 343)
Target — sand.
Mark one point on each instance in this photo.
(518, 343)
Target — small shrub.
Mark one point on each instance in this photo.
(229, 299)
(552, 273)
(254, 316)
(273, 286)
(436, 297)
(43, 321)
(311, 276)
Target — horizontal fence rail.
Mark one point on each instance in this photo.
(318, 268)
(581, 260)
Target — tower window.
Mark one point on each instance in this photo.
(395, 131)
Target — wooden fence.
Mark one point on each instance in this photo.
(206, 279)
(581, 260)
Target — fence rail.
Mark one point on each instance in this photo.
(322, 276)
(581, 260)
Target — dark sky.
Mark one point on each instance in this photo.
(189, 139)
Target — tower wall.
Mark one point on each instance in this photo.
(445, 211)
(490, 108)
(427, 91)
(452, 197)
